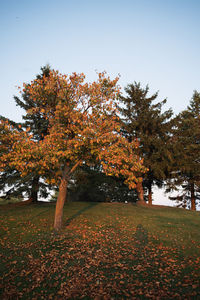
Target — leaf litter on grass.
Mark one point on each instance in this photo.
(97, 258)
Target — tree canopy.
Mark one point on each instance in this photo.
(112, 139)
(186, 140)
(144, 120)
(11, 181)
(83, 127)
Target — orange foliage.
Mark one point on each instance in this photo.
(83, 128)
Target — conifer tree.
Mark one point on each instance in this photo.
(91, 184)
(11, 181)
(186, 140)
(143, 119)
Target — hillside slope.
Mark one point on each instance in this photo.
(105, 250)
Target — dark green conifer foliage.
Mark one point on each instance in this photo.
(91, 184)
(186, 141)
(143, 119)
(11, 183)
(36, 122)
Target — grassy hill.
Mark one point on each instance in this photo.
(105, 251)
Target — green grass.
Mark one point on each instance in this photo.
(9, 201)
(104, 251)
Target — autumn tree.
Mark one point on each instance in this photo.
(186, 141)
(142, 118)
(83, 127)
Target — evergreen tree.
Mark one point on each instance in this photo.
(143, 119)
(186, 142)
(35, 122)
(11, 181)
(91, 184)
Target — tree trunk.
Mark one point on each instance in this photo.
(34, 190)
(61, 200)
(193, 202)
(140, 193)
(150, 195)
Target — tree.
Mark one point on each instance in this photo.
(91, 184)
(83, 127)
(11, 181)
(143, 119)
(186, 142)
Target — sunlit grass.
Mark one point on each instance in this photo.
(104, 249)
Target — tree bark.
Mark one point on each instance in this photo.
(140, 193)
(150, 195)
(61, 200)
(34, 190)
(193, 202)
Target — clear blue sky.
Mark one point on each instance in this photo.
(156, 42)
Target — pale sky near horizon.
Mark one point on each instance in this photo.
(155, 42)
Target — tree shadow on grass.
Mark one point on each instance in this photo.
(141, 236)
(141, 240)
(78, 213)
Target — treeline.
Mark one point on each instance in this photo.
(93, 143)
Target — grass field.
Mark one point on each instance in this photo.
(105, 251)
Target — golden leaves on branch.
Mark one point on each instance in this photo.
(83, 123)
